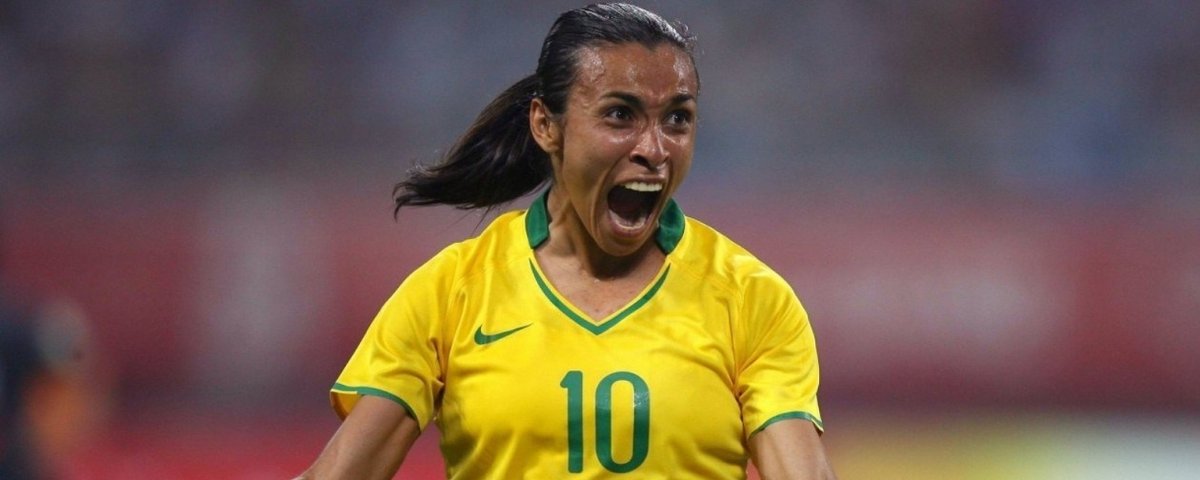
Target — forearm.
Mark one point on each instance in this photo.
(790, 450)
(371, 443)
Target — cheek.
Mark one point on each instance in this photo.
(588, 156)
(681, 151)
(580, 174)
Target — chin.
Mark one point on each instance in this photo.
(623, 246)
(620, 250)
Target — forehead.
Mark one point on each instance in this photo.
(655, 74)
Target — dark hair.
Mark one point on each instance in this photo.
(497, 159)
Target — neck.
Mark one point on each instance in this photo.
(569, 239)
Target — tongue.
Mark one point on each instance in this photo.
(626, 203)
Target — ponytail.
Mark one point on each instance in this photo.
(495, 162)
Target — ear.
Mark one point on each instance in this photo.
(545, 129)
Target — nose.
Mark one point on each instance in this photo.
(650, 152)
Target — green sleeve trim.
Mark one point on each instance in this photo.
(375, 392)
(788, 416)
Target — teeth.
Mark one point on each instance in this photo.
(643, 187)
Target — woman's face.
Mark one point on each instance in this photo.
(627, 136)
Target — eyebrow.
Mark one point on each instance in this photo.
(637, 102)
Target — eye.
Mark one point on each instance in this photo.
(679, 118)
(620, 113)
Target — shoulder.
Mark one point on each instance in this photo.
(434, 284)
(498, 243)
(760, 302)
(709, 253)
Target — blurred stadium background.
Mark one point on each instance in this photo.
(991, 210)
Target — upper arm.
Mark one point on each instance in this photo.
(778, 372)
(371, 442)
(777, 381)
(387, 392)
(401, 355)
(790, 449)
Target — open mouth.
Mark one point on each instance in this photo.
(631, 204)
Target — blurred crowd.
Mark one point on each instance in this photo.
(1081, 98)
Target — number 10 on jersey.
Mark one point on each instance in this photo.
(573, 382)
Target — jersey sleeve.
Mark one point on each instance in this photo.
(399, 356)
(778, 374)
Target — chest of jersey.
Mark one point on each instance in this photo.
(533, 386)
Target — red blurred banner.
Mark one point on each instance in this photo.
(933, 300)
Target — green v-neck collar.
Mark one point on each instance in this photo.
(666, 236)
(581, 319)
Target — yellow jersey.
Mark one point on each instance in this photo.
(523, 384)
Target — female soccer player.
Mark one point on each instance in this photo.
(600, 331)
